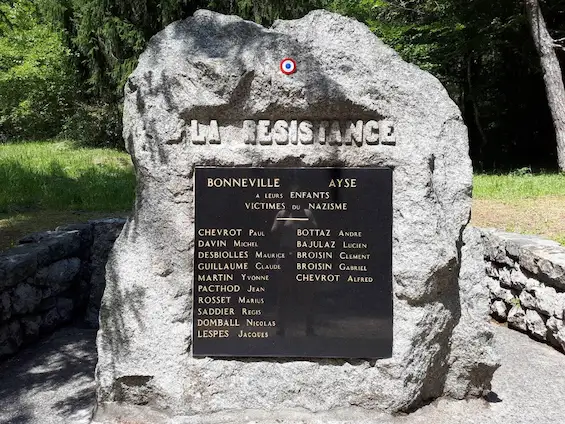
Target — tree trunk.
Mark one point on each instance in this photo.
(477, 117)
(552, 76)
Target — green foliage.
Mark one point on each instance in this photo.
(516, 302)
(95, 125)
(107, 38)
(64, 63)
(265, 12)
(37, 83)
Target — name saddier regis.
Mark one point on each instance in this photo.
(295, 230)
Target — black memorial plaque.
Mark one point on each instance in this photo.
(293, 262)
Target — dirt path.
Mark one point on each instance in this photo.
(544, 216)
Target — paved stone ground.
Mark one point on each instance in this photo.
(50, 383)
(53, 384)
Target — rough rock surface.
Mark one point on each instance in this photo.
(527, 389)
(221, 67)
(526, 275)
(517, 318)
(535, 325)
(499, 310)
(472, 358)
(104, 234)
(538, 256)
(53, 383)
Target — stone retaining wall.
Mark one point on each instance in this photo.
(52, 278)
(526, 281)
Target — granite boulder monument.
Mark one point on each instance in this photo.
(209, 112)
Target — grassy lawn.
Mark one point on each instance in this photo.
(46, 184)
(528, 204)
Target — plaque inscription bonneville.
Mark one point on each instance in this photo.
(293, 262)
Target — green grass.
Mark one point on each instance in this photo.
(60, 176)
(516, 186)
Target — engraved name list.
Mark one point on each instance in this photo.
(292, 262)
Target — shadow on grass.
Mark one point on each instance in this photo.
(96, 188)
(52, 379)
(39, 199)
(15, 226)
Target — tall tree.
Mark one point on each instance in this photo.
(552, 76)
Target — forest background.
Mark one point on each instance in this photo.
(64, 63)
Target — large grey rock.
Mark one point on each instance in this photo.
(31, 325)
(535, 325)
(560, 311)
(517, 318)
(16, 265)
(518, 279)
(37, 251)
(472, 360)
(25, 298)
(556, 332)
(10, 338)
(527, 300)
(5, 306)
(499, 310)
(52, 319)
(63, 245)
(65, 308)
(548, 301)
(59, 276)
(505, 278)
(499, 292)
(220, 67)
(84, 230)
(560, 338)
(544, 300)
(104, 234)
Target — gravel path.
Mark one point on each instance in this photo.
(53, 384)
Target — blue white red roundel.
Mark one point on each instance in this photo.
(288, 66)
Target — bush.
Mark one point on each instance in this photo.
(95, 126)
(38, 85)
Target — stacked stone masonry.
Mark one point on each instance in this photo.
(526, 281)
(52, 278)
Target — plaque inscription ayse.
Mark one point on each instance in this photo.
(293, 262)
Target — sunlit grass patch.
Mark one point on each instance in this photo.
(61, 176)
(517, 185)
